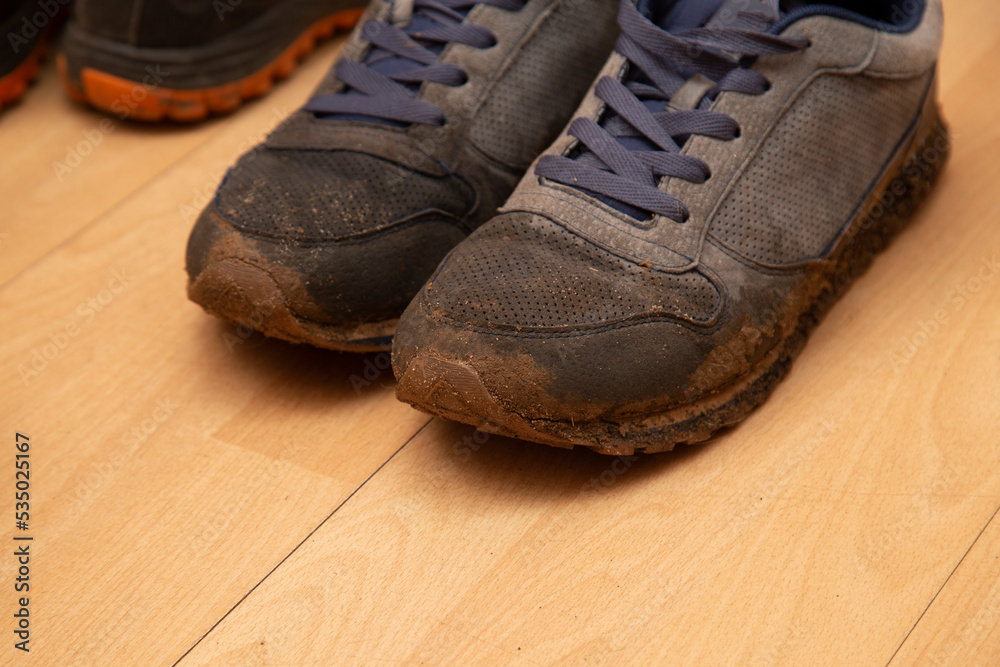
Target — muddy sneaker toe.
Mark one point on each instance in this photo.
(435, 110)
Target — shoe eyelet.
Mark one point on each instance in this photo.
(738, 133)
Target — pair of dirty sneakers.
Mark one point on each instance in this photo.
(729, 167)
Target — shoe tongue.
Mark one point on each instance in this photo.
(686, 14)
(690, 14)
(727, 15)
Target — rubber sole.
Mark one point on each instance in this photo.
(452, 389)
(138, 100)
(14, 84)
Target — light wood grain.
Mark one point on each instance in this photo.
(243, 446)
(962, 624)
(190, 478)
(64, 166)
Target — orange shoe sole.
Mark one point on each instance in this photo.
(14, 84)
(119, 96)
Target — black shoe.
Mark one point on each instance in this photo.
(26, 27)
(168, 59)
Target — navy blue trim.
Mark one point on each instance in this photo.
(912, 19)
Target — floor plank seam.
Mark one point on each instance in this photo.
(299, 545)
(941, 588)
(100, 217)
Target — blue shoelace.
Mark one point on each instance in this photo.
(403, 56)
(638, 141)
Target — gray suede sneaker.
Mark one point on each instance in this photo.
(424, 127)
(653, 277)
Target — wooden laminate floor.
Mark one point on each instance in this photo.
(201, 495)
